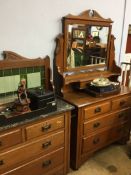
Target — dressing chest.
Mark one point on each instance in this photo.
(98, 119)
(32, 142)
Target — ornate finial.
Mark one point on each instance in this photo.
(91, 13)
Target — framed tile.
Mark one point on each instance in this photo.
(15, 71)
(1, 73)
(7, 72)
(23, 70)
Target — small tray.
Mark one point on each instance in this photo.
(102, 94)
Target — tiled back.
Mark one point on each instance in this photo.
(10, 78)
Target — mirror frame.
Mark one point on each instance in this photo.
(90, 17)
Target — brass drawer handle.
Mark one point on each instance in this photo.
(46, 163)
(1, 162)
(98, 109)
(46, 127)
(122, 103)
(46, 145)
(95, 141)
(96, 125)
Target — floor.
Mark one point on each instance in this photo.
(113, 160)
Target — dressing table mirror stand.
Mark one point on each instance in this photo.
(85, 51)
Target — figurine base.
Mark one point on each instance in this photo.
(19, 107)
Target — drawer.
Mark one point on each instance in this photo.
(119, 132)
(107, 120)
(99, 140)
(95, 110)
(44, 127)
(121, 103)
(11, 138)
(42, 165)
(24, 153)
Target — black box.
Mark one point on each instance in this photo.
(42, 99)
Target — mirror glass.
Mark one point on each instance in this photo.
(86, 45)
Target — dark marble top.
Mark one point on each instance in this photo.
(62, 106)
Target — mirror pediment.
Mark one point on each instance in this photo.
(88, 15)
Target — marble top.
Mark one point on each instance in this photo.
(62, 106)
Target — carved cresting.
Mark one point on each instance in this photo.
(86, 16)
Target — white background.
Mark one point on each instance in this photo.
(29, 27)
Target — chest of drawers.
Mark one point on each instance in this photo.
(98, 122)
(36, 148)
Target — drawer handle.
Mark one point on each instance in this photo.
(96, 125)
(95, 141)
(1, 162)
(45, 145)
(123, 102)
(46, 163)
(98, 109)
(46, 127)
(0, 143)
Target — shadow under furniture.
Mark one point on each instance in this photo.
(99, 118)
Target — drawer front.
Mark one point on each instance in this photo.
(26, 152)
(120, 103)
(41, 165)
(44, 127)
(92, 111)
(118, 132)
(97, 141)
(107, 120)
(11, 138)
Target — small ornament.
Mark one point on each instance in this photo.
(91, 13)
(22, 104)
